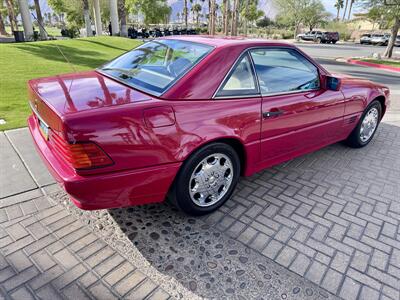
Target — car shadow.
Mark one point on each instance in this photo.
(210, 256)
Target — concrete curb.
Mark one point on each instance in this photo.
(373, 65)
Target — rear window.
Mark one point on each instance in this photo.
(156, 65)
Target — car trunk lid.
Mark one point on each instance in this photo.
(53, 98)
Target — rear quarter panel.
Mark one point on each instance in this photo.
(132, 143)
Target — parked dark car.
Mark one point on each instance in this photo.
(330, 37)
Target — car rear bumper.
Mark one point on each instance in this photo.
(111, 190)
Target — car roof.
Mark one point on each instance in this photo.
(223, 41)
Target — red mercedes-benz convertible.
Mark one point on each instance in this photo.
(184, 117)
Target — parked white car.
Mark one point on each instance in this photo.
(380, 39)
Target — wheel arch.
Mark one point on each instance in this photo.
(234, 142)
(382, 101)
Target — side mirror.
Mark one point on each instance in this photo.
(332, 83)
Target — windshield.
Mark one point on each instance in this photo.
(154, 66)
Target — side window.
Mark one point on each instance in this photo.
(284, 70)
(241, 80)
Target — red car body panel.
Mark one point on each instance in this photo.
(148, 138)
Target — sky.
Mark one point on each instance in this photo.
(265, 5)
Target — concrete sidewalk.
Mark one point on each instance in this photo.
(49, 249)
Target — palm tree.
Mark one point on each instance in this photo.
(212, 17)
(43, 34)
(86, 16)
(235, 17)
(338, 5)
(345, 9)
(2, 26)
(226, 17)
(11, 15)
(351, 5)
(185, 12)
(196, 9)
(122, 18)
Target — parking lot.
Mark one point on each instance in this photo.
(324, 225)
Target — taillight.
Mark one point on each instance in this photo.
(81, 155)
(88, 155)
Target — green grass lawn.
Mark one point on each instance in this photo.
(383, 62)
(20, 62)
(53, 31)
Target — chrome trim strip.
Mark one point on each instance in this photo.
(289, 92)
(37, 115)
(239, 96)
(252, 62)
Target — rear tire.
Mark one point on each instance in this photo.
(366, 127)
(206, 179)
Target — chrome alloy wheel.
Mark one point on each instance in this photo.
(369, 124)
(211, 179)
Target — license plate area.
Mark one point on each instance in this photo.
(44, 129)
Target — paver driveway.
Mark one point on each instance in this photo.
(321, 225)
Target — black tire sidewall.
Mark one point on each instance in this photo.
(181, 185)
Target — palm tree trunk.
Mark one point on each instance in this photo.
(11, 15)
(337, 15)
(234, 17)
(43, 34)
(185, 11)
(122, 18)
(345, 9)
(226, 17)
(245, 18)
(351, 5)
(86, 16)
(2, 26)
(395, 30)
(212, 18)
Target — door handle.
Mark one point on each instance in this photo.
(271, 114)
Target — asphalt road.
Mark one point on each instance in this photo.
(326, 55)
(343, 50)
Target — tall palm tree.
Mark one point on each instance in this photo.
(212, 17)
(226, 16)
(235, 17)
(351, 5)
(43, 34)
(86, 16)
(345, 9)
(185, 12)
(11, 15)
(338, 5)
(2, 26)
(196, 9)
(122, 18)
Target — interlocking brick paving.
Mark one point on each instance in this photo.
(331, 216)
(48, 254)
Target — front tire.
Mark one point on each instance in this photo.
(366, 127)
(206, 179)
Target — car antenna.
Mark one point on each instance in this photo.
(58, 48)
